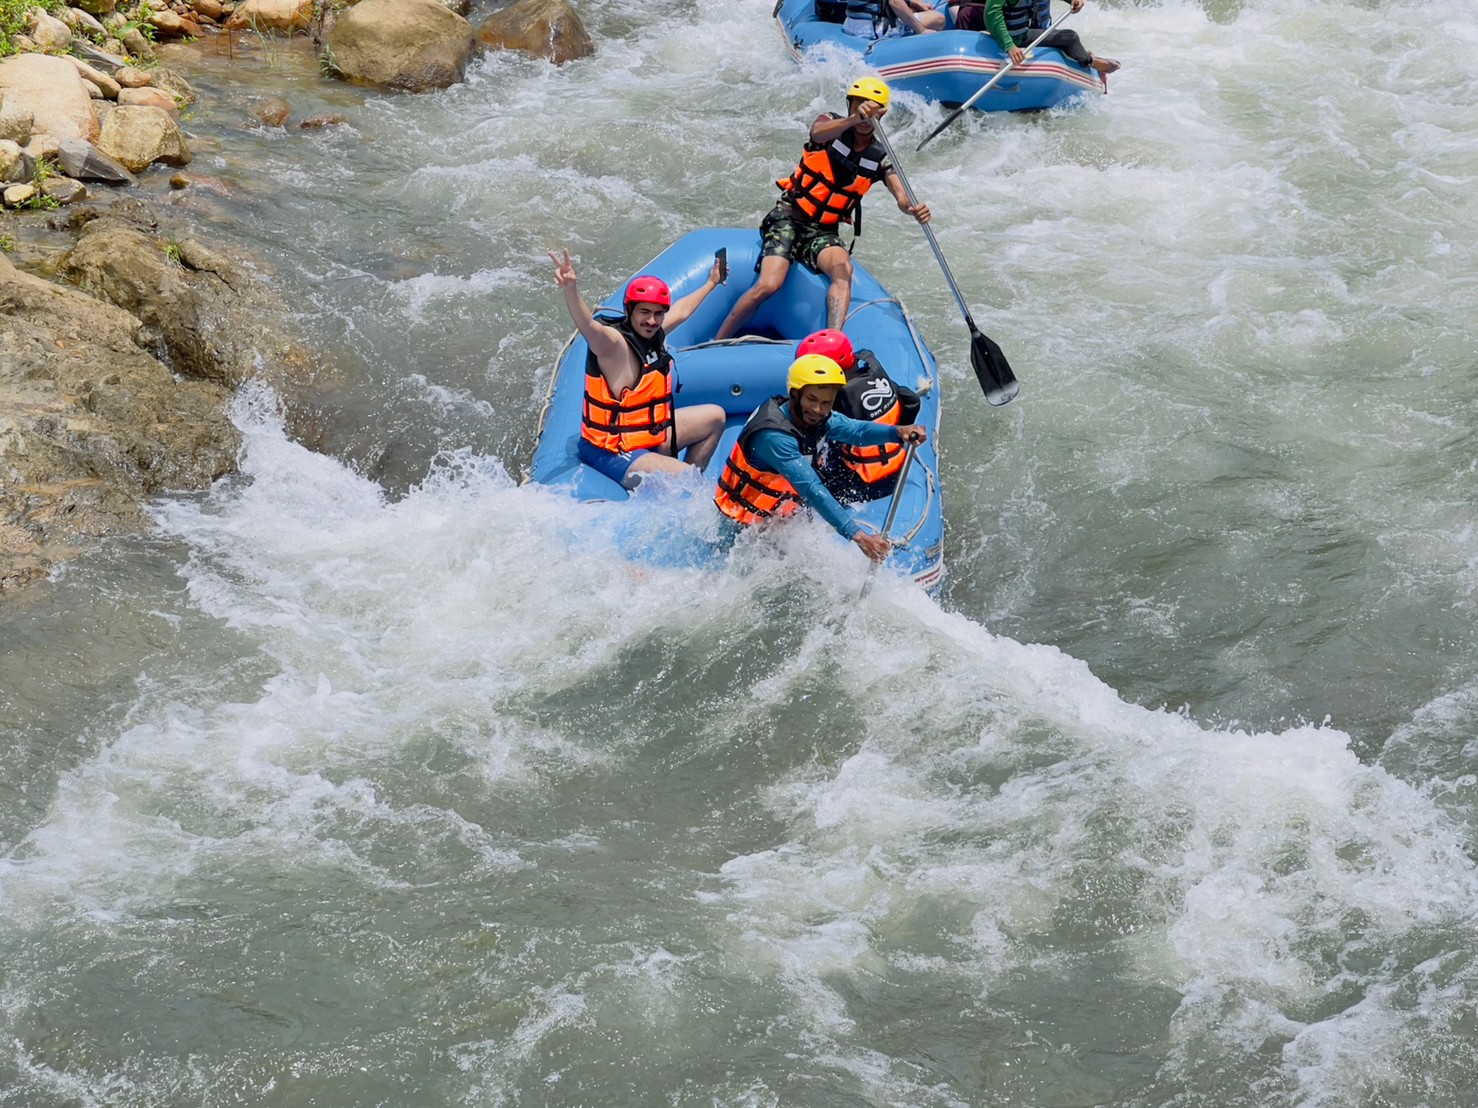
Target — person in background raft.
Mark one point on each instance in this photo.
(840, 163)
(772, 470)
(853, 473)
(875, 19)
(1018, 23)
(631, 423)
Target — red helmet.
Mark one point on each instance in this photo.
(831, 344)
(648, 290)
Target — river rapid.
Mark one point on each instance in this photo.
(374, 777)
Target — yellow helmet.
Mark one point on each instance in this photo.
(814, 369)
(869, 88)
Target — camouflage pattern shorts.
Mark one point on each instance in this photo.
(781, 236)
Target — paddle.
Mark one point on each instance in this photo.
(991, 368)
(872, 570)
(970, 103)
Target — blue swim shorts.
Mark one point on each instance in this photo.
(608, 464)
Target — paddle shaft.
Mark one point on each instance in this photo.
(928, 231)
(892, 514)
(991, 368)
(877, 130)
(1010, 65)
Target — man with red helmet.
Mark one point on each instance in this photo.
(863, 472)
(631, 423)
(841, 161)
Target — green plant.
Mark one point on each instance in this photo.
(268, 42)
(14, 16)
(172, 251)
(7, 243)
(138, 20)
(83, 34)
(45, 170)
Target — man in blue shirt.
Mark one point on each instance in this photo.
(773, 468)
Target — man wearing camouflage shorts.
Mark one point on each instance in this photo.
(839, 164)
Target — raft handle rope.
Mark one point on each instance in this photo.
(926, 383)
(738, 340)
(929, 484)
(528, 470)
(930, 480)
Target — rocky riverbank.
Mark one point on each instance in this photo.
(122, 344)
(115, 395)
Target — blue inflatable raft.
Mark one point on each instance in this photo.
(947, 67)
(740, 374)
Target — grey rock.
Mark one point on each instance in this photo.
(86, 162)
(64, 190)
(91, 425)
(206, 309)
(140, 47)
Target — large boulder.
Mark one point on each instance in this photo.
(53, 92)
(129, 76)
(14, 165)
(15, 119)
(48, 32)
(204, 308)
(278, 16)
(91, 54)
(170, 24)
(90, 424)
(137, 44)
(415, 45)
(137, 136)
(79, 20)
(149, 98)
(172, 83)
(545, 28)
(97, 78)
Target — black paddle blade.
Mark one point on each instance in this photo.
(992, 370)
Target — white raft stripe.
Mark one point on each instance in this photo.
(931, 576)
(987, 68)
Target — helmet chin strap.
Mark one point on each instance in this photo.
(795, 406)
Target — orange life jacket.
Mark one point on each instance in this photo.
(749, 493)
(828, 185)
(875, 463)
(641, 418)
(872, 395)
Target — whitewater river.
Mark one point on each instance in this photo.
(373, 778)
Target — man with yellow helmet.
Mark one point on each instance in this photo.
(855, 473)
(773, 468)
(840, 162)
